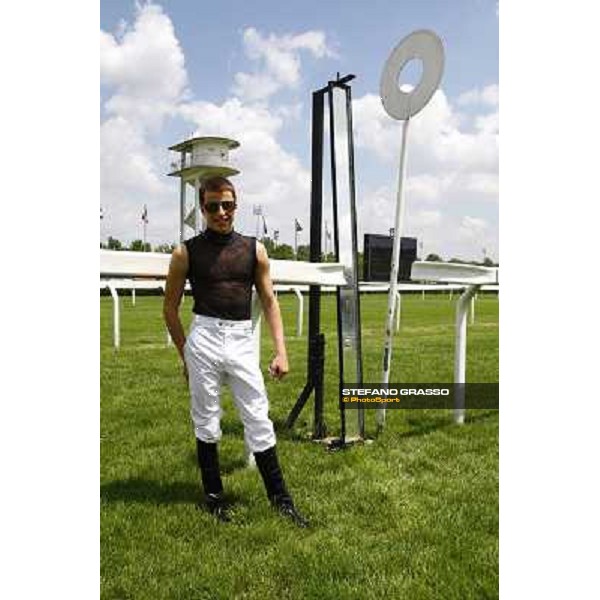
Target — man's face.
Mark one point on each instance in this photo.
(221, 220)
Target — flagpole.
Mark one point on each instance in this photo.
(297, 228)
(145, 220)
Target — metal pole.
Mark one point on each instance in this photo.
(116, 323)
(300, 311)
(314, 291)
(460, 352)
(355, 290)
(197, 204)
(336, 250)
(387, 347)
(182, 201)
(314, 380)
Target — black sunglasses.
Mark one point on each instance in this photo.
(213, 207)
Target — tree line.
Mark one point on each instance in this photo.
(136, 246)
(278, 251)
(486, 262)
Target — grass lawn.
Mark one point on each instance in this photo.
(412, 515)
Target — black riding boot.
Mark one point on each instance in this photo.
(208, 461)
(270, 471)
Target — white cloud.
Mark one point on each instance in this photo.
(424, 186)
(231, 118)
(142, 69)
(145, 66)
(374, 129)
(427, 187)
(131, 176)
(473, 230)
(291, 112)
(473, 224)
(428, 218)
(452, 167)
(435, 140)
(488, 96)
(125, 162)
(278, 59)
(484, 184)
(488, 124)
(256, 86)
(437, 146)
(491, 95)
(270, 175)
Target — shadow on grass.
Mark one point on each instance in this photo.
(228, 462)
(300, 431)
(153, 492)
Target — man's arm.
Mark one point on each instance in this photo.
(173, 292)
(264, 286)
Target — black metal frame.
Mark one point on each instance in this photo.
(316, 340)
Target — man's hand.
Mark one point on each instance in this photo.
(185, 373)
(279, 367)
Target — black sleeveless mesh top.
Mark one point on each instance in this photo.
(221, 273)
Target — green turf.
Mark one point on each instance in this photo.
(414, 514)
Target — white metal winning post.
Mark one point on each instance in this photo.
(426, 46)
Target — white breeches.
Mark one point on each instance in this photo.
(219, 351)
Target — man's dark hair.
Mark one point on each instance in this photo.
(216, 184)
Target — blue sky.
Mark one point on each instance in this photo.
(170, 69)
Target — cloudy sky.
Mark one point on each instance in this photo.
(246, 70)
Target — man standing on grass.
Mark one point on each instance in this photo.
(222, 267)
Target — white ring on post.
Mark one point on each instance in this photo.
(426, 46)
